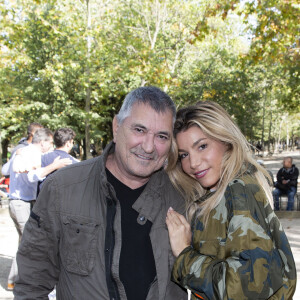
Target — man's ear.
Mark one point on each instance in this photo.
(115, 126)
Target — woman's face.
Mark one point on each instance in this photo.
(200, 156)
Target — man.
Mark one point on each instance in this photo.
(31, 129)
(22, 191)
(287, 179)
(98, 228)
(63, 141)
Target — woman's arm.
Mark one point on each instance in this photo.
(251, 268)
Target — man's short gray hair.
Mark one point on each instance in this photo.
(43, 134)
(151, 95)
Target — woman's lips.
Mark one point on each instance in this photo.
(201, 173)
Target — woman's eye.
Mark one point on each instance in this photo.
(202, 147)
(182, 156)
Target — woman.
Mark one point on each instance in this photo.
(235, 247)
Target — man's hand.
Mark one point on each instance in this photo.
(179, 231)
(61, 162)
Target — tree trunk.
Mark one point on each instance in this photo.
(4, 151)
(287, 135)
(270, 126)
(263, 125)
(88, 89)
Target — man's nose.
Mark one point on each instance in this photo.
(148, 143)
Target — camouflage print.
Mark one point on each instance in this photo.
(242, 253)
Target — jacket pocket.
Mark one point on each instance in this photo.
(78, 244)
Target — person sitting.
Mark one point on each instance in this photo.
(287, 178)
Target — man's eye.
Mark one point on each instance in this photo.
(163, 137)
(139, 130)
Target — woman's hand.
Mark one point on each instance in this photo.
(179, 231)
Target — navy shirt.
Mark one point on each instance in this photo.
(48, 158)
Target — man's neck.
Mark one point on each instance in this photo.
(65, 149)
(131, 181)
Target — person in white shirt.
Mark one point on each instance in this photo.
(22, 191)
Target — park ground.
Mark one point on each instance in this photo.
(289, 220)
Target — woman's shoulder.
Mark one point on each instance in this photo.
(243, 191)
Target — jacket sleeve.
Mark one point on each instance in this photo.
(35, 175)
(251, 268)
(37, 256)
(294, 178)
(279, 176)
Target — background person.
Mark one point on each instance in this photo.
(22, 192)
(63, 140)
(236, 247)
(25, 141)
(287, 180)
(97, 230)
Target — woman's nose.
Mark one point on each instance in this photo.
(194, 161)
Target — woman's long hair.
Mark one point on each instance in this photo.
(216, 124)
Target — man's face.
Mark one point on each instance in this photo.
(47, 145)
(287, 163)
(143, 141)
(69, 145)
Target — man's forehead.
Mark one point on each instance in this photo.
(145, 115)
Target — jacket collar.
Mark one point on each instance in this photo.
(149, 203)
(290, 170)
(106, 186)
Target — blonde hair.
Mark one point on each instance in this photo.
(216, 124)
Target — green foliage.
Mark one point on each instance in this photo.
(244, 55)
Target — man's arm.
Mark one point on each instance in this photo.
(5, 168)
(279, 176)
(40, 173)
(294, 178)
(37, 257)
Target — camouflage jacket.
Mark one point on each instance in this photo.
(242, 253)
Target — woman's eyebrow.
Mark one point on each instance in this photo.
(198, 141)
(194, 144)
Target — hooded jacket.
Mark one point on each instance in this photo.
(287, 174)
(64, 240)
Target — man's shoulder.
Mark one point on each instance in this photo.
(28, 152)
(49, 154)
(19, 146)
(48, 158)
(280, 170)
(79, 172)
(169, 192)
(162, 180)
